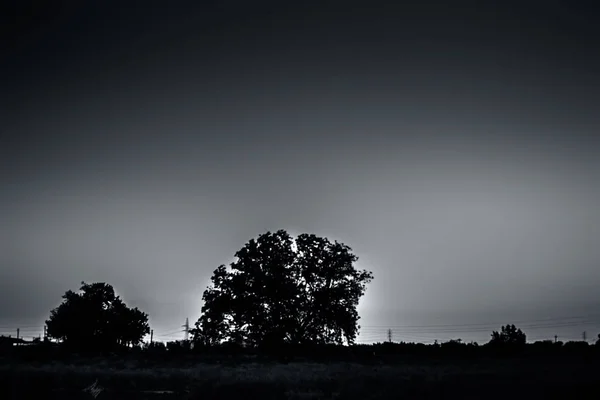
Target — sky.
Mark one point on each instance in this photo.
(452, 145)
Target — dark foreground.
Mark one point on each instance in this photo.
(475, 379)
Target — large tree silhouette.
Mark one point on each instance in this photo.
(95, 318)
(281, 290)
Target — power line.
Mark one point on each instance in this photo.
(530, 327)
(377, 333)
(170, 333)
(22, 326)
(483, 327)
(486, 323)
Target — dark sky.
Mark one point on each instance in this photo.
(452, 145)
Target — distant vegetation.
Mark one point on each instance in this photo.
(509, 335)
(383, 352)
(96, 319)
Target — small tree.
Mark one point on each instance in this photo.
(598, 341)
(508, 335)
(95, 318)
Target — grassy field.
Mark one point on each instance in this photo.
(131, 379)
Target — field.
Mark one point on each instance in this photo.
(128, 378)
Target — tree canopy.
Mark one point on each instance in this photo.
(280, 290)
(96, 318)
(508, 335)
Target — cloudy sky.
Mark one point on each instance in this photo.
(450, 144)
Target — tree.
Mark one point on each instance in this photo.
(284, 291)
(95, 318)
(508, 335)
(598, 341)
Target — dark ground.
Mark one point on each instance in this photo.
(189, 378)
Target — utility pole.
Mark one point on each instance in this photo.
(187, 329)
(151, 335)
(389, 335)
(555, 338)
(584, 336)
(18, 333)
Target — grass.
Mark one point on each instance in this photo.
(130, 379)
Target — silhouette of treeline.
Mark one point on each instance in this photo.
(386, 352)
(282, 298)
